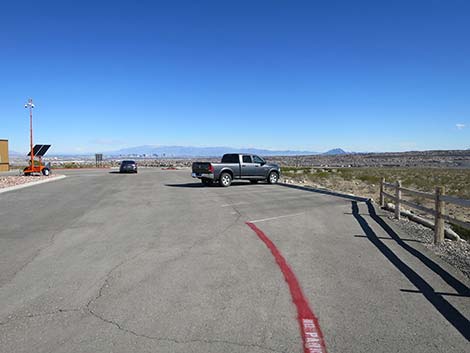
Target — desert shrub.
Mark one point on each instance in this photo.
(464, 233)
(370, 179)
(456, 181)
(346, 174)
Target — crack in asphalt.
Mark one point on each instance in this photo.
(92, 311)
(175, 340)
(120, 327)
(90, 302)
(29, 316)
(106, 279)
(50, 242)
(33, 257)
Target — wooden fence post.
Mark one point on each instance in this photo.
(397, 199)
(382, 201)
(439, 220)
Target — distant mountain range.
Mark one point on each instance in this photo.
(188, 151)
(183, 151)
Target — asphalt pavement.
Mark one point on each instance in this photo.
(155, 262)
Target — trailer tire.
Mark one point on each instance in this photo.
(46, 172)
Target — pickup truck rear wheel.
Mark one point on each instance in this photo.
(225, 179)
(273, 178)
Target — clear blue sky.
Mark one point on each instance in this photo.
(361, 75)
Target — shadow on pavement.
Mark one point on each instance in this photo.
(200, 185)
(325, 192)
(123, 173)
(187, 185)
(385, 238)
(451, 314)
(447, 277)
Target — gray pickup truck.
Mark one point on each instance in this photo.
(236, 166)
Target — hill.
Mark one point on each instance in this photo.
(334, 152)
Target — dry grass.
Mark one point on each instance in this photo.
(366, 182)
(456, 181)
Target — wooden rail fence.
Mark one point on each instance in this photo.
(439, 211)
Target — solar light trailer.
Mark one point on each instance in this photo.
(36, 166)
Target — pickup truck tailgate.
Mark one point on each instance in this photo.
(201, 167)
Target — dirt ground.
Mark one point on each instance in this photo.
(13, 180)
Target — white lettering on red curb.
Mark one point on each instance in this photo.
(309, 328)
(312, 340)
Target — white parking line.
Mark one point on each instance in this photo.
(272, 218)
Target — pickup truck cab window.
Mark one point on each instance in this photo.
(230, 158)
(247, 159)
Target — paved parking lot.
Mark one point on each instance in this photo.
(154, 262)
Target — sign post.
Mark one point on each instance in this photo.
(99, 159)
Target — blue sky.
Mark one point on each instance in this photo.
(310, 75)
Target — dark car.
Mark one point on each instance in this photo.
(128, 167)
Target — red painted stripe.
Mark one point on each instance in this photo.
(309, 328)
(90, 168)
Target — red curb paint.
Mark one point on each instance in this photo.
(91, 168)
(309, 328)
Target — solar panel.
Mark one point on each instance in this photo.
(40, 150)
(43, 150)
(35, 149)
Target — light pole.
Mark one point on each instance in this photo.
(30, 105)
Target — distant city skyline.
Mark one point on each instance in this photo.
(364, 76)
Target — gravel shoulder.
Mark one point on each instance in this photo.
(455, 253)
(11, 181)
